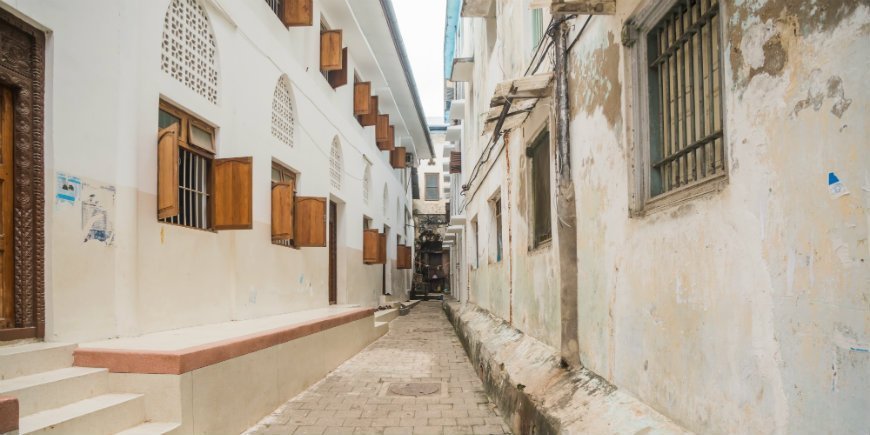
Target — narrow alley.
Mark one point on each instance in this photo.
(416, 379)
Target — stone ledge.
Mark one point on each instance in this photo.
(536, 395)
(176, 362)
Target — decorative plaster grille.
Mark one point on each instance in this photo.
(367, 182)
(336, 164)
(189, 50)
(283, 115)
(386, 196)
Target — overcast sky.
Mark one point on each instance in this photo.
(422, 25)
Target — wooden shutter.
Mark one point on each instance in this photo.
(339, 78)
(233, 205)
(403, 257)
(382, 129)
(370, 118)
(382, 249)
(310, 221)
(371, 250)
(409, 260)
(362, 98)
(283, 202)
(390, 144)
(330, 50)
(298, 13)
(397, 158)
(167, 172)
(455, 162)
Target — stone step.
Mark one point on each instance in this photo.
(151, 429)
(27, 359)
(55, 388)
(106, 414)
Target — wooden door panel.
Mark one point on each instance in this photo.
(7, 264)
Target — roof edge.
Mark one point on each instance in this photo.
(399, 43)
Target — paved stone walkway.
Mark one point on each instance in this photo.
(359, 397)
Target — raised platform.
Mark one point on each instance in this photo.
(222, 378)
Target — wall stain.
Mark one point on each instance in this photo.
(594, 83)
(775, 58)
(832, 88)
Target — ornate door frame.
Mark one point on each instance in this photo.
(22, 68)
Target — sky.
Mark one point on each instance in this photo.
(422, 25)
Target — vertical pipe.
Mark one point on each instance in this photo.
(566, 212)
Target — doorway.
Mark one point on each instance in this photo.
(333, 253)
(22, 186)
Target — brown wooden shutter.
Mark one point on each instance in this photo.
(167, 172)
(339, 78)
(330, 50)
(283, 202)
(455, 162)
(371, 118)
(382, 249)
(391, 138)
(382, 129)
(403, 257)
(362, 98)
(371, 251)
(298, 13)
(397, 158)
(310, 220)
(233, 204)
(409, 259)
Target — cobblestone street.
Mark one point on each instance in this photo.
(390, 388)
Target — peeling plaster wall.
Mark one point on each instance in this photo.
(522, 288)
(745, 310)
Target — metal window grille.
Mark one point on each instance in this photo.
(193, 190)
(336, 164)
(537, 28)
(367, 182)
(277, 6)
(685, 77)
(498, 242)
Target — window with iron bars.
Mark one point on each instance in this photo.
(685, 99)
(281, 174)
(277, 6)
(195, 156)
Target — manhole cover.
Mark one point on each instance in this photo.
(415, 389)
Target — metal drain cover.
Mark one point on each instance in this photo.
(415, 389)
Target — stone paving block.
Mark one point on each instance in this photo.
(419, 348)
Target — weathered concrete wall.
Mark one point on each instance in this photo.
(535, 393)
(745, 310)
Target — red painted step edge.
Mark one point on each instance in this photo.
(8, 414)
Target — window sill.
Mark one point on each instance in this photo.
(683, 195)
(542, 246)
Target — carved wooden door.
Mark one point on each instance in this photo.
(7, 265)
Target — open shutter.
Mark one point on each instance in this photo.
(310, 222)
(455, 162)
(339, 77)
(409, 260)
(371, 251)
(362, 97)
(391, 138)
(382, 249)
(370, 118)
(382, 131)
(283, 201)
(330, 50)
(403, 257)
(167, 172)
(233, 205)
(397, 158)
(298, 13)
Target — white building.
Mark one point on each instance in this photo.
(249, 206)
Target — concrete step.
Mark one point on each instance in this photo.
(152, 429)
(27, 359)
(106, 414)
(55, 388)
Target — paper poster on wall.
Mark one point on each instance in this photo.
(68, 189)
(98, 208)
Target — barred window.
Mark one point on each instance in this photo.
(195, 142)
(277, 6)
(685, 101)
(386, 198)
(336, 166)
(540, 169)
(283, 113)
(432, 187)
(189, 48)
